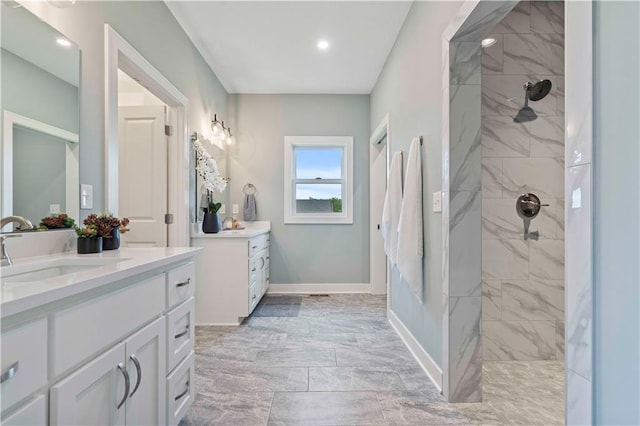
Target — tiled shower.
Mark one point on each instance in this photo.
(523, 280)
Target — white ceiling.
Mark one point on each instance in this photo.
(270, 46)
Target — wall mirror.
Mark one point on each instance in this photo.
(40, 117)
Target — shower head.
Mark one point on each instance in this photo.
(537, 91)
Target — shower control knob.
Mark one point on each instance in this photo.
(528, 205)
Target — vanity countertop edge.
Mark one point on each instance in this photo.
(22, 297)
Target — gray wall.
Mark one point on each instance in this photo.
(523, 281)
(616, 163)
(409, 88)
(302, 254)
(34, 93)
(154, 32)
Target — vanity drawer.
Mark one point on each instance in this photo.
(24, 361)
(181, 284)
(258, 243)
(255, 291)
(180, 332)
(180, 390)
(33, 413)
(84, 329)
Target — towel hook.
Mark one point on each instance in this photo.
(249, 189)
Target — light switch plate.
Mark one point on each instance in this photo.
(54, 208)
(235, 208)
(437, 201)
(86, 196)
(223, 209)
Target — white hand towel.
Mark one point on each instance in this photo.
(410, 243)
(391, 209)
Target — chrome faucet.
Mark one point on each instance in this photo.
(23, 222)
(5, 259)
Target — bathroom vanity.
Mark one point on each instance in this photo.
(233, 274)
(99, 339)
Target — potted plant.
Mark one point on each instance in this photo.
(57, 221)
(207, 169)
(88, 240)
(109, 228)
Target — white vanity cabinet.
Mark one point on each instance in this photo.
(233, 275)
(102, 357)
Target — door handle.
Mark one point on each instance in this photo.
(182, 284)
(127, 384)
(135, 361)
(184, 333)
(186, 391)
(11, 371)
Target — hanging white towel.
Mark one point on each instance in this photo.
(410, 243)
(391, 209)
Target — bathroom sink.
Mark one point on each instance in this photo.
(50, 269)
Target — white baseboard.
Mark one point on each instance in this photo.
(318, 288)
(426, 362)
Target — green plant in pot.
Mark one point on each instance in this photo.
(109, 228)
(89, 241)
(213, 182)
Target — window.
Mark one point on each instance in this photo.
(318, 179)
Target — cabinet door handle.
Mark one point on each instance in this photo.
(182, 284)
(254, 247)
(135, 361)
(254, 296)
(186, 391)
(127, 384)
(253, 269)
(184, 333)
(11, 371)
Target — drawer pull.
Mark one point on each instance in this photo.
(184, 333)
(182, 284)
(127, 384)
(11, 371)
(186, 391)
(135, 361)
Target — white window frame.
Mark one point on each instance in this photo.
(319, 142)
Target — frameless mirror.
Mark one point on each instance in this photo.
(40, 118)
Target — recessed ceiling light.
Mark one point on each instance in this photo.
(323, 45)
(490, 41)
(63, 42)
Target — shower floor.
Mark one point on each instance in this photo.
(519, 393)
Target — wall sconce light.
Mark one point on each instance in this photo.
(217, 126)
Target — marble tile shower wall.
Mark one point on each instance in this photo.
(523, 281)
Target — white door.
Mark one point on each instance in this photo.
(378, 161)
(91, 395)
(142, 174)
(147, 364)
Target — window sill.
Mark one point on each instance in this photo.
(318, 220)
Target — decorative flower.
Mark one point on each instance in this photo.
(207, 168)
(105, 223)
(88, 231)
(55, 221)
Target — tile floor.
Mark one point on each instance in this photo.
(336, 361)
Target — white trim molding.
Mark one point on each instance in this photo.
(72, 167)
(319, 288)
(426, 362)
(119, 54)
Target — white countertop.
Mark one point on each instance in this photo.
(21, 296)
(251, 229)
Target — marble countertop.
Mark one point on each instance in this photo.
(17, 297)
(252, 229)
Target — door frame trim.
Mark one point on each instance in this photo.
(381, 131)
(119, 54)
